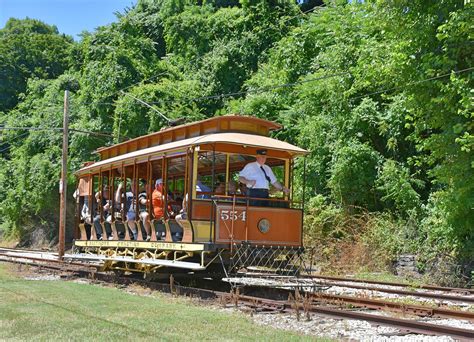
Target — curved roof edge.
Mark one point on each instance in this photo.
(246, 142)
(217, 124)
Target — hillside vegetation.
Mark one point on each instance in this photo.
(380, 92)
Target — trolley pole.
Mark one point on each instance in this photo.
(63, 182)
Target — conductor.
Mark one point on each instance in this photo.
(257, 177)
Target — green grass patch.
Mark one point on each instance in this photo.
(56, 310)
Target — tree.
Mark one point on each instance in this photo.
(29, 48)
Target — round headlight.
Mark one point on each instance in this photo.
(263, 225)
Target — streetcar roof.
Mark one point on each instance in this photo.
(222, 142)
(217, 124)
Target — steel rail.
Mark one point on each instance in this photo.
(26, 250)
(418, 310)
(412, 326)
(299, 282)
(454, 290)
(49, 263)
(369, 288)
(423, 287)
(463, 299)
(360, 302)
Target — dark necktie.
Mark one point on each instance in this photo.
(266, 176)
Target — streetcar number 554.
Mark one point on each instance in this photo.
(233, 215)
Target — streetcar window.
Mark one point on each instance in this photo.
(238, 161)
(212, 173)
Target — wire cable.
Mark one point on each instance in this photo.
(412, 83)
(108, 135)
(288, 85)
(265, 89)
(244, 92)
(9, 142)
(204, 97)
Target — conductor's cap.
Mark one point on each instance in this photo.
(261, 152)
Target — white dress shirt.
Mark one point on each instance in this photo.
(252, 171)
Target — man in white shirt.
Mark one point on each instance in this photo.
(257, 177)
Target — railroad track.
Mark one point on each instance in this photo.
(319, 303)
(430, 295)
(450, 294)
(364, 303)
(454, 290)
(47, 260)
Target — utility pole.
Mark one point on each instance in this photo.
(63, 182)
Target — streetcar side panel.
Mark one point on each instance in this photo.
(258, 225)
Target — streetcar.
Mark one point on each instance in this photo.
(206, 218)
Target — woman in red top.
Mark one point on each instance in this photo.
(158, 199)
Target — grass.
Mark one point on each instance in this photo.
(62, 310)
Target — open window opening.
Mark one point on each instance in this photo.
(218, 175)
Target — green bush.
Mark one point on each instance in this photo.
(397, 187)
(353, 175)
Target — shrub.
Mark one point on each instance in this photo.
(354, 171)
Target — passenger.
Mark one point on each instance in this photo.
(182, 216)
(257, 177)
(202, 190)
(85, 212)
(128, 207)
(231, 188)
(220, 190)
(157, 199)
(142, 208)
(105, 203)
(243, 190)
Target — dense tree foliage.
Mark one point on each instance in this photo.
(380, 92)
(29, 49)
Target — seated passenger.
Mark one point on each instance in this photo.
(157, 199)
(220, 190)
(202, 190)
(105, 203)
(142, 208)
(243, 190)
(85, 212)
(231, 188)
(127, 199)
(182, 216)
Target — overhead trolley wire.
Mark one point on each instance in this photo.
(9, 141)
(204, 97)
(412, 83)
(264, 89)
(134, 84)
(56, 129)
(244, 92)
(288, 85)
